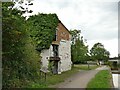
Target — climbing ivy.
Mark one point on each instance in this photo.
(43, 28)
(13, 36)
(20, 38)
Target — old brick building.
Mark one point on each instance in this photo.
(58, 56)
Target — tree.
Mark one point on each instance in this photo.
(98, 52)
(23, 5)
(19, 59)
(20, 38)
(75, 34)
(79, 51)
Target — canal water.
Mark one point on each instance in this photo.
(116, 80)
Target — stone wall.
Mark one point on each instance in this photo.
(65, 55)
(64, 50)
(45, 57)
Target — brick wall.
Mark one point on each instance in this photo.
(62, 33)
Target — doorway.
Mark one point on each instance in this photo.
(53, 66)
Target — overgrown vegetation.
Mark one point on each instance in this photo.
(101, 80)
(114, 65)
(52, 80)
(43, 29)
(21, 41)
(20, 60)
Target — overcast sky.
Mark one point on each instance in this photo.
(97, 19)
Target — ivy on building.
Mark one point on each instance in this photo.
(20, 38)
(43, 28)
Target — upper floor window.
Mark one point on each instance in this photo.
(55, 37)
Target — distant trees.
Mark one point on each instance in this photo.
(98, 52)
(79, 51)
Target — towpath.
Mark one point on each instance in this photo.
(81, 79)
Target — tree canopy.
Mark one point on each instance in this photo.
(79, 51)
(19, 59)
(98, 52)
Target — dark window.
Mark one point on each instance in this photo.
(55, 50)
(55, 36)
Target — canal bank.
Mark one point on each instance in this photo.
(116, 80)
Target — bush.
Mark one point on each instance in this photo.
(20, 38)
(19, 58)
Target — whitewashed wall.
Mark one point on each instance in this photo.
(45, 56)
(64, 53)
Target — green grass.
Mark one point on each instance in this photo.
(55, 79)
(85, 66)
(61, 77)
(52, 79)
(101, 80)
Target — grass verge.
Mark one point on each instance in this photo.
(55, 79)
(85, 66)
(101, 80)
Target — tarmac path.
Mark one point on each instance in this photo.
(81, 79)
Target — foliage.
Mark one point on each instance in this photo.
(113, 65)
(79, 51)
(50, 66)
(58, 78)
(43, 28)
(109, 63)
(101, 80)
(75, 34)
(98, 52)
(23, 6)
(19, 58)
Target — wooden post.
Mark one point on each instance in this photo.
(88, 62)
(40, 76)
(43, 72)
(88, 66)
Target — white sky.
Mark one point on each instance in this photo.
(97, 19)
